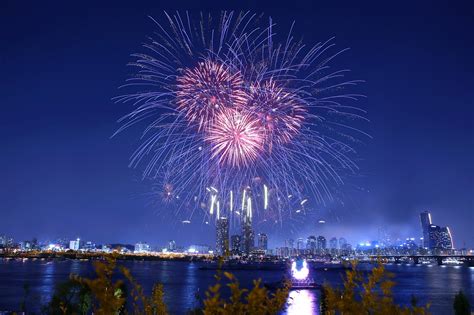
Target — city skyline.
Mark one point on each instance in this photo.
(433, 238)
(64, 175)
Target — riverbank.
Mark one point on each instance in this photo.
(54, 255)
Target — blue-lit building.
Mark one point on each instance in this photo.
(222, 236)
(435, 237)
(141, 248)
(321, 243)
(311, 244)
(262, 241)
(440, 238)
(425, 218)
(236, 245)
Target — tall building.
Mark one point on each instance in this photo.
(222, 236)
(435, 237)
(248, 236)
(75, 244)
(446, 238)
(300, 245)
(262, 241)
(311, 244)
(440, 238)
(425, 218)
(321, 244)
(333, 243)
(342, 243)
(236, 244)
(171, 246)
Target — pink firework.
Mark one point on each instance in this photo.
(204, 90)
(236, 138)
(280, 113)
(168, 192)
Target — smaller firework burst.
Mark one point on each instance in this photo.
(236, 138)
(204, 90)
(280, 113)
(168, 192)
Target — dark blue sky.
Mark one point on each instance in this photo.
(62, 175)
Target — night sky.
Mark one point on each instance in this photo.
(63, 176)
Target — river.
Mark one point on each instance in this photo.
(184, 281)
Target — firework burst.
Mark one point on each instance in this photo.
(227, 102)
(281, 114)
(236, 138)
(204, 90)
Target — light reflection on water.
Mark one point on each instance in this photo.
(190, 288)
(302, 302)
(47, 279)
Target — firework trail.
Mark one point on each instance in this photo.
(232, 112)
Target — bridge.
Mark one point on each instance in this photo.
(417, 259)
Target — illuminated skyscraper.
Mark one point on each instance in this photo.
(75, 244)
(311, 244)
(342, 243)
(440, 238)
(222, 236)
(262, 241)
(321, 243)
(248, 237)
(299, 245)
(425, 218)
(446, 238)
(236, 244)
(435, 237)
(333, 243)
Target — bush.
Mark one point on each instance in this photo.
(103, 295)
(461, 304)
(257, 300)
(373, 296)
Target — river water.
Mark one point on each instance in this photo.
(184, 281)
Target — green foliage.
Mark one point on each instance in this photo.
(461, 304)
(142, 304)
(105, 295)
(71, 297)
(367, 296)
(109, 296)
(242, 301)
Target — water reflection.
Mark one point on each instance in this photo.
(190, 287)
(48, 272)
(302, 302)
